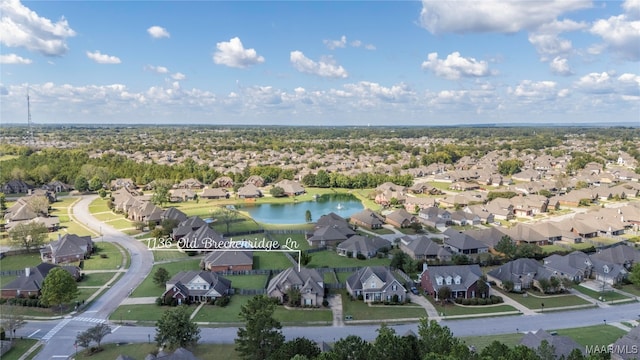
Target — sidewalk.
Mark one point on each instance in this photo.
(509, 301)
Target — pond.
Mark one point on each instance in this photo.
(344, 205)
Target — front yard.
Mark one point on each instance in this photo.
(553, 301)
(149, 288)
(456, 310)
(598, 295)
(360, 310)
(148, 312)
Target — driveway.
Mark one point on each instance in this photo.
(432, 313)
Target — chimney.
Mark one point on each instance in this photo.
(424, 266)
(27, 271)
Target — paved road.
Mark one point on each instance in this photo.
(60, 342)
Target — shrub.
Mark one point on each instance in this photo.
(473, 301)
(458, 300)
(325, 303)
(349, 254)
(103, 256)
(361, 257)
(223, 301)
(360, 297)
(466, 301)
(482, 302)
(159, 301)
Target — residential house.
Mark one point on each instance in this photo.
(621, 254)
(30, 283)
(15, 186)
(424, 188)
(248, 192)
(412, 203)
(461, 279)
(363, 245)
(423, 248)
(186, 226)
(464, 218)
(228, 260)
(190, 184)
(562, 345)
(309, 282)
(527, 233)
(255, 180)
(178, 354)
(368, 219)
(68, 248)
(146, 212)
(626, 347)
(52, 223)
(203, 238)
(523, 274)
(196, 286)
(479, 212)
(57, 186)
(173, 214)
(375, 283)
(223, 182)
(330, 230)
(122, 183)
(388, 193)
(435, 217)
(578, 266)
(464, 186)
(400, 218)
(489, 236)
(180, 195)
(215, 193)
(501, 208)
(290, 187)
(461, 243)
(526, 175)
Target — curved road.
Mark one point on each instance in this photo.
(59, 335)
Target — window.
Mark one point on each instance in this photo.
(448, 280)
(439, 280)
(394, 287)
(457, 279)
(373, 284)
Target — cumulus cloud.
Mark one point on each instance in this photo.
(158, 32)
(342, 43)
(233, 54)
(103, 58)
(621, 34)
(324, 68)
(493, 15)
(456, 66)
(596, 83)
(560, 66)
(178, 76)
(547, 40)
(14, 59)
(157, 69)
(22, 27)
(533, 91)
(366, 89)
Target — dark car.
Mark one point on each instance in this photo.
(414, 290)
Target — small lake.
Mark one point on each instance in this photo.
(344, 205)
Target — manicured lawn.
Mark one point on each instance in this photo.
(111, 262)
(331, 259)
(121, 223)
(140, 351)
(84, 294)
(454, 310)
(632, 289)
(343, 276)
(581, 246)
(246, 225)
(607, 295)
(19, 262)
(330, 278)
(290, 317)
(593, 335)
(361, 311)
(270, 260)
(247, 281)
(96, 279)
(533, 302)
(305, 227)
(294, 241)
(367, 202)
(547, 249)
(71, 227)
(148, 288)
(381, 231)
(229, 313)
(161, 255)
(108, 216)
(20, 346)
(481, 342)
(98, 205)
(148, 312)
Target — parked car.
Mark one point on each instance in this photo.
(414, 290)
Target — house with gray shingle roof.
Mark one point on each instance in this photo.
(462, 243)
(30, 283)
(375, 283)
(367, 218)
(308, 281)
(365, 245)
(563, 345)
(523, 273)
(186, 226)
(196, 286)
(249, 191)
(627, 348)
(621, 254)
(400, 218)
(461, 279)
(423, 248)
(228, 260)
(68, 248)
(578, 266)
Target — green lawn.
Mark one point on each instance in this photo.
(632, 289)
(19, 262)
(533, 302)
(454, 310)
(548, 249)
(20, 346)
(367, 202)
(607, 295)
(330, 277)
(361, 311)
(331, 259)
(343, 276)
(148, 288)
(246, 225)
(581, 246)
(112, 261)
(247, 281)
(381, 231)
(270, 260)
(594, 335)
(481, 342)
(121, 224)
(108, 216)
(96, 279)
(98, 205)
(229, 313)
(148, 312)
(140, 351)
(294, 241)
(292, 317)
(161, 255)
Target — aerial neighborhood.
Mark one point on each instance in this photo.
(324, 232)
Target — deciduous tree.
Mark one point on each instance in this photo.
(59, 287)
(175, 329)
(160, 277)
(28, 236)
(261, 337)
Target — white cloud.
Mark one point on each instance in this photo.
(342, 43)
(632, 8)
(493, 15)
(158, 32)
(178, 76)
(157, 69)
(366, 89)
(560, 66)
(103, 58)
(621, 35)
(233, 54)
(597, 83)
(22, 27)
(547, 40)
(324, 68)
(456, 66)
(13, 59)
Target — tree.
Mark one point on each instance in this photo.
(261, 337)
(387, 345)
(293, 296)
(444, 293)
(98, 332)
(527, 250)
(510, 167)
(546, 351)
(81, 184)
(160, 193)
(58, 287)
(3, 202)
(544, 285)
(322, 179)
(95, 184)
(482, 289)
(227, 216)
(39, 205)
(175, 329)
(495, 350)
(307, 216)
(30, 235)
(277, 191)
(352, 347)
(398, 261)
(506, 246)
(508, 285)
(161, 276)
(305, 258)
(11, 320)
(299, 346)
(634, 275)
(83, 339)
(436, 339)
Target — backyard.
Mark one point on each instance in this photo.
(329, 258)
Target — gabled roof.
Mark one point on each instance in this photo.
(356, 280)
(174, 214)
(489, 236)
(216, 282)
(422, 245)
(368, 217)
(622, 346)
(363, 244)
(399, 216)
(514, 270)
(187, 226)
(203, 237)
(33, 281)
(619, 254)
(571, 264)
(69, 245)
(462, 241)
(563, 345)
(229, 258)
(468, 275)
(293, 277)
(328, 233)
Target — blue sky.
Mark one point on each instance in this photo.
(321, 63)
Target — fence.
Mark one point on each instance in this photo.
(11, 272)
